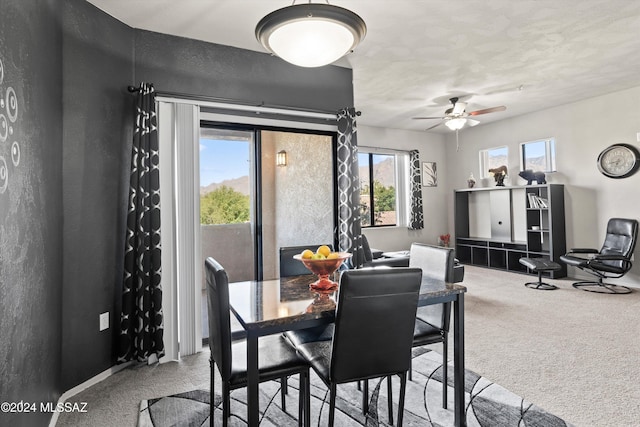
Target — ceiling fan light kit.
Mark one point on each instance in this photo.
(455, 124)
(311, 34)
(456, 117)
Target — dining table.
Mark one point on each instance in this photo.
(266, 307)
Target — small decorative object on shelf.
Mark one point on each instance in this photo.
(471, 181)
(444, 239)
(498, 174)
(530, 176)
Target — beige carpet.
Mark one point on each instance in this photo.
(573, 353)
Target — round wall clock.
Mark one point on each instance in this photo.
(619, 161)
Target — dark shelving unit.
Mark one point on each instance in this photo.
(542, 221)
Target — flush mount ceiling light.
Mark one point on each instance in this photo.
(311, 34)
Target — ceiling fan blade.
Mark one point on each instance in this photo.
(427, 118)
(487, 110)
(434, 126)
(472, 122)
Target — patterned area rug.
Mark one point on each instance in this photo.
(487, 404)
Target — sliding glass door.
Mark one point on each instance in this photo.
(227, 200)
(250, 206)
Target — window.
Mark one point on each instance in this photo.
(492, 158)
(382, 199)
(225, 190)
(539, 156)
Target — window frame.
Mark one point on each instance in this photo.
(549, 156)
(484, 159)
(402, 170)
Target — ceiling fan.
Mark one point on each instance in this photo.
(456, 117)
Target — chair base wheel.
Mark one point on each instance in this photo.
(541, 286)
(601, 288)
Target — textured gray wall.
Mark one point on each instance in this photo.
(54, 285)
(98, 110)
(30, 206)
(101, 57)
(181, 65)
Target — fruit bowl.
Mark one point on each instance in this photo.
(323, 268)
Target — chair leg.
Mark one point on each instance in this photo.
(445, 360)
(332, 403)
(390, 399)
(403, 387)
(365, 397)
(600, 287)
(303, 419)
(226, 403)
(283, 393)
(211, 391)
(307, 400)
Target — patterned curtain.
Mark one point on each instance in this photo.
(349, 233)
(416, 216)
(141, 319)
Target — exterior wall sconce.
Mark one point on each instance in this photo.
(281, 158)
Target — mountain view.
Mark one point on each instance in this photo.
(383, 172)
(241, 185)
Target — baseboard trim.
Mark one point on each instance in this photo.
(85, 385)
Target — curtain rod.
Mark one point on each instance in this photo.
(242, 105)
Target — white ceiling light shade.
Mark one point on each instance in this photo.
(455, 124)
(459, 122)
(311, 34)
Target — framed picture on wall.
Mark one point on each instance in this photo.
(429, 174)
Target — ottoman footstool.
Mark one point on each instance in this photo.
(539, 265)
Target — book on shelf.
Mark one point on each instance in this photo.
(537, 202)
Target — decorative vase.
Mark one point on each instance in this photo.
(471, 181)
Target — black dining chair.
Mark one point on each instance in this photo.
(373, 335)
(292, 267)
(276, 358)
(432, 321)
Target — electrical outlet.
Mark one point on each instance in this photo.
(104, 321)
(638, 136)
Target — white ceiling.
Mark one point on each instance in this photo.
(419, 53)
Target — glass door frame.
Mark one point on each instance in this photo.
(256, 181)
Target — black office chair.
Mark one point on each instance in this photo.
(373, 334)
(276, 358)
(432, 321)
(612, 261)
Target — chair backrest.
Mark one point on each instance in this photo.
(218, 310)
(368, 255)
(375, 317)
(621, 239)
(292, 267)
(436, 262)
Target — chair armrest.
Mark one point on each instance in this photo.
(583, 251)
(611, 258)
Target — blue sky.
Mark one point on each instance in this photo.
(221, 159)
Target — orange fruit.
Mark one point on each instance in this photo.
(333, 255)
(306, 254)
(324, 250)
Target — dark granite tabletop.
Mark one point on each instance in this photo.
(287, 303)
